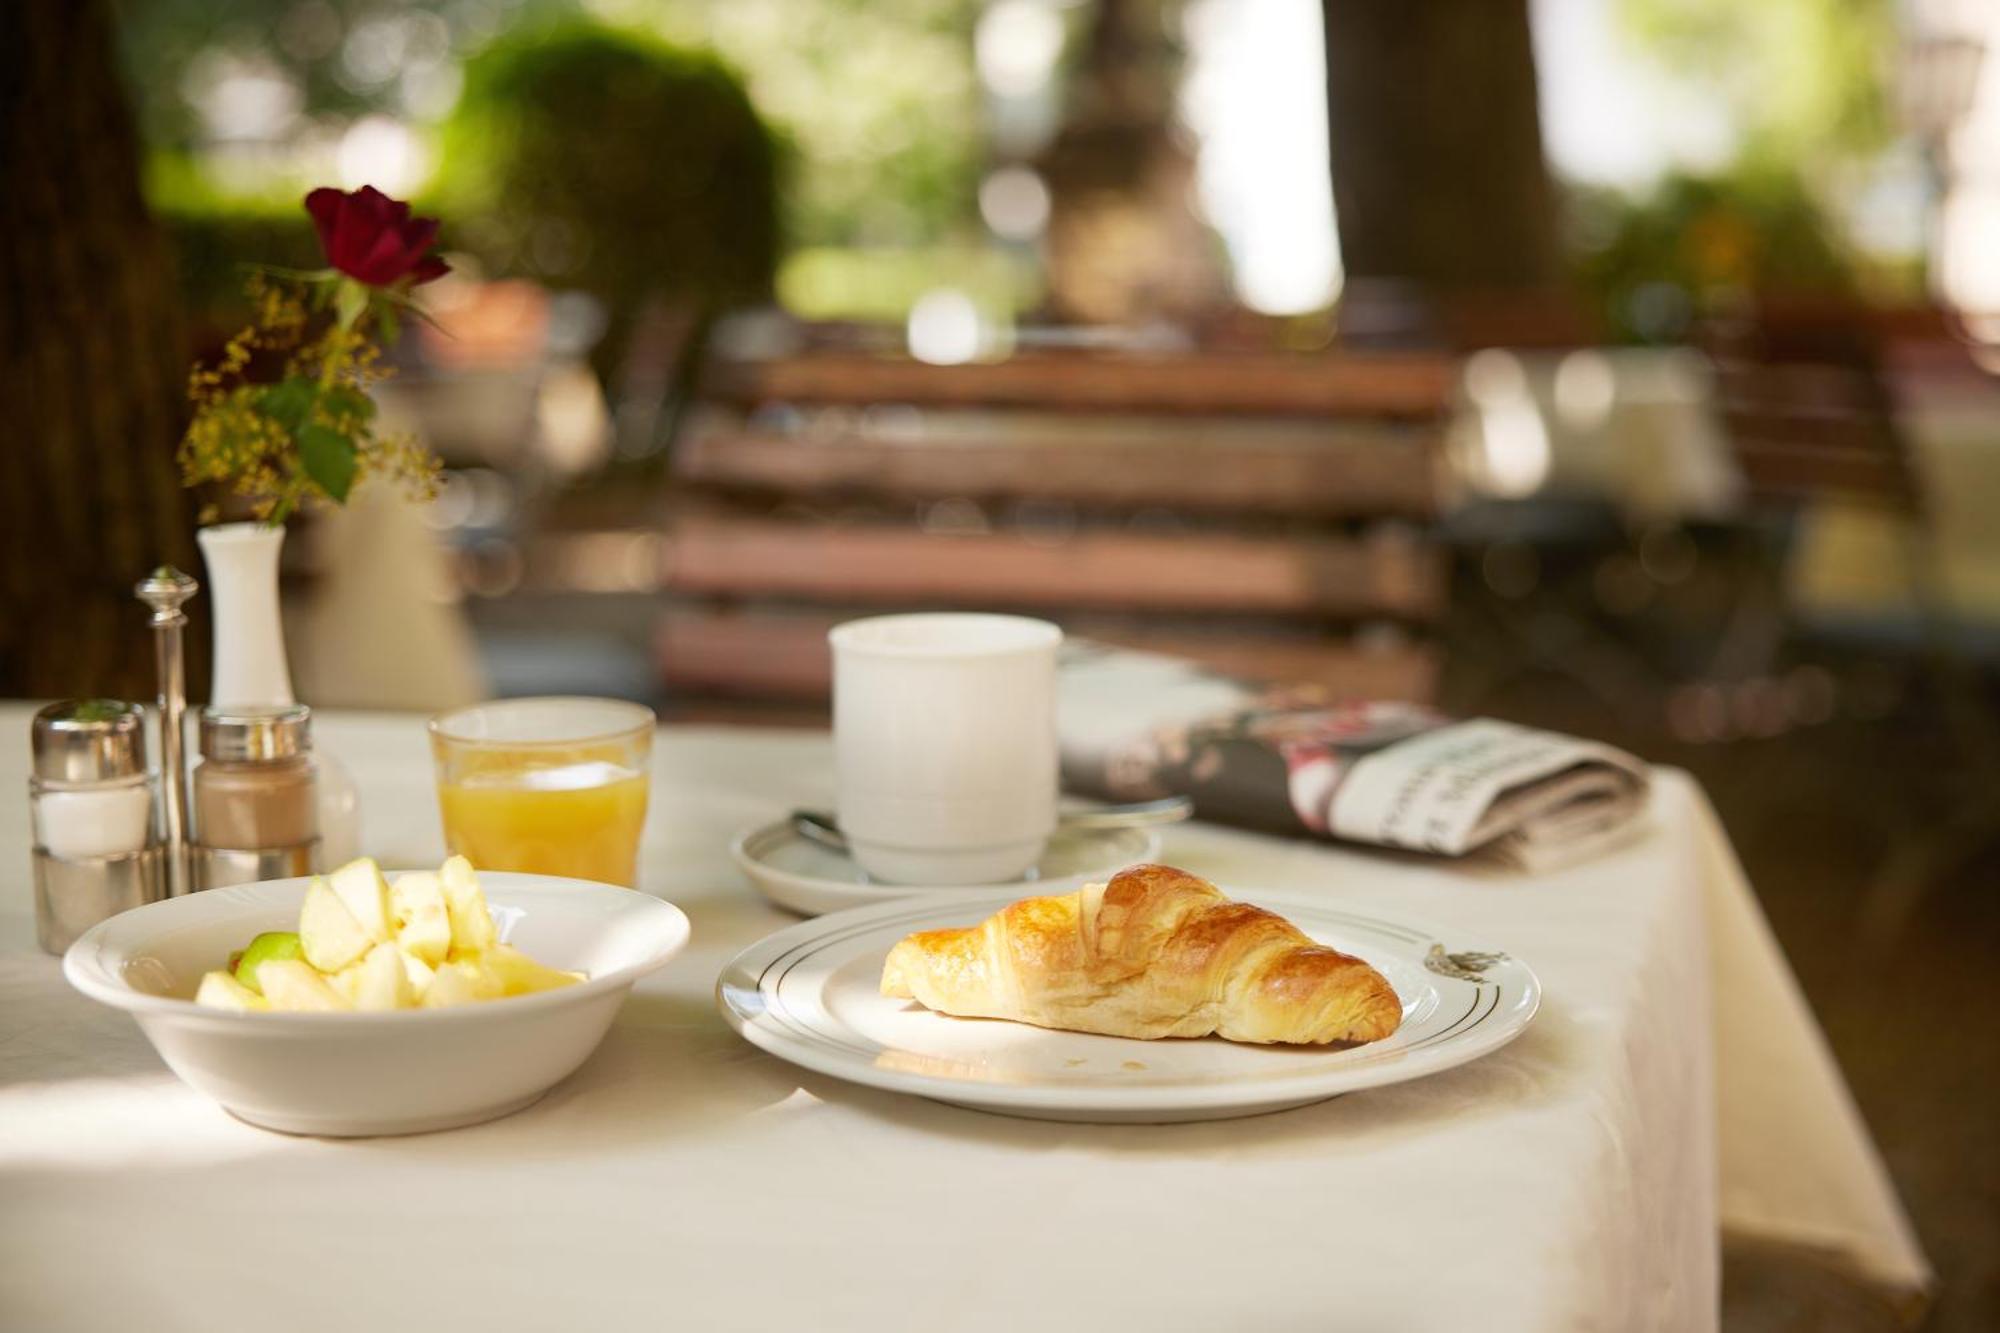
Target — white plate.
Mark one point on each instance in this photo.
(808, 994)
(807, 877)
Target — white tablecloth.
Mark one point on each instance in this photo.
(683, 1179)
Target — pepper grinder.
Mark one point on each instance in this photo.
(256, 797)
(165, 589)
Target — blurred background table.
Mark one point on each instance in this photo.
(1674, 1082)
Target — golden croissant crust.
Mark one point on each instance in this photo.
(1157, 952)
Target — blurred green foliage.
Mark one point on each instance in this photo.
(1805, 86)
(1805, 81)
(615, 163)
(243, 104)
(176, 50)
(1700, 244)
(878, 98)
(216, 241)
(882, 284)
(216, 250)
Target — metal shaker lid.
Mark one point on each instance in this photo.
(255, 733)
(89, 740)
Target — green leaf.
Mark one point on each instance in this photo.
(288, 402)
(344, 400)
(329, 459)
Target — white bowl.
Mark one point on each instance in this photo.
(377, 1073)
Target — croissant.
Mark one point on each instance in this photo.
(1157, 952)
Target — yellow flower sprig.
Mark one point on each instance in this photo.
(310, 435)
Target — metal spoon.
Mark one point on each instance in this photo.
(821, 827)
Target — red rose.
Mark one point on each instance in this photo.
(372, 238)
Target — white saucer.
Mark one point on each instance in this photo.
(797, 873)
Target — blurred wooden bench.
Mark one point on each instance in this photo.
(783, 657)
(1208, 464)
(1254, 384)
(1266, 514)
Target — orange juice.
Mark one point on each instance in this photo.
(581, 819)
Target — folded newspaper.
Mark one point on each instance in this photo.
(1293, 759)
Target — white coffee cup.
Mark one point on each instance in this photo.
(944, 731)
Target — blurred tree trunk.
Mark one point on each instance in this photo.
(91, 365)
(1436, 146)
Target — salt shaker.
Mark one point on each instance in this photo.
(256, 797)
(92, 807)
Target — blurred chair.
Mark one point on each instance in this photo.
(1824, 405)
(1581, 473)
(1624, 466)
(1264, 513)
(1821, 400)
(1813, 426)
(1748, 549)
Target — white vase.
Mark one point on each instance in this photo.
(242, 560)
(249, 661)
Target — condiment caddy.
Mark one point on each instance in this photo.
(111, 835)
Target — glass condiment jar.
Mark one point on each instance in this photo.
(256, 797)
(90, 804)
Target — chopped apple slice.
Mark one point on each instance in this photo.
(419, 974)
(462, 981)
(377, 981)
(271, 944)
(428, 941)
(219, 990)
(522, 975)
(422, 920)
(365, 894)
(329, 935)
(293, 986)
(472, 929)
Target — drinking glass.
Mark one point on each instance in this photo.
(553, 786)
